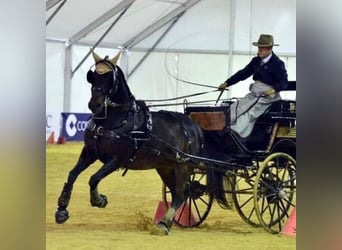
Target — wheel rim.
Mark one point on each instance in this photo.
(198, 203)
(275, 191)
(243, 194)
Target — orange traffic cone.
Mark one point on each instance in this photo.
(51, 138)
(61, 140)
(290, 226)
(160, 212)
(181, 216)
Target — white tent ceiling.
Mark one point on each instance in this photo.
(142, 24)
(201, 40)
(215, 25)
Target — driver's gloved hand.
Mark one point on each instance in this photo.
(223, 86)
(269, 91)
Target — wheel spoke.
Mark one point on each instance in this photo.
(279, 217)
(242, 195)
(251, 213)
(275, 188)
(284, 208)
(204, 201)
(198, 202)
(272, 212)
(181, 210)
(197, 210)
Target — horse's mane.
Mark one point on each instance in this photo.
(123, 81)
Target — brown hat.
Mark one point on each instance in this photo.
(265, 41)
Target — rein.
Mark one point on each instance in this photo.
(181, 97)
(112, 104)
(109, 103)
(139, 132)
(251, 106)
(182, 103)
(181, 156)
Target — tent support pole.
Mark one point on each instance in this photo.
(154, 45)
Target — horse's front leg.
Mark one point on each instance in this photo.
(97, 199)
(86, 158)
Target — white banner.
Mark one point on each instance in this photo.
(53, 125)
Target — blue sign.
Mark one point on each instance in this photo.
(74, 125)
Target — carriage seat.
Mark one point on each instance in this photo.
(216, 119)
(282, 113)
(214, 122)
(282, 110)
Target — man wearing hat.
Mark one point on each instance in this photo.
(270, 77)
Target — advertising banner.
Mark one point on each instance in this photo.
(74, 125)
(52, 125)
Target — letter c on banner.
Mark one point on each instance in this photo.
(70, 125)
(48, 117)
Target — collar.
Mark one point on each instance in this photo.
(266, 59)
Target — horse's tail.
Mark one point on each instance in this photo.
(220, 183)
(221, 186)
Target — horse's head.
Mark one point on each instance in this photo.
(104, 82)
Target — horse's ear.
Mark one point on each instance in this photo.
(115, 58)
(96, 57)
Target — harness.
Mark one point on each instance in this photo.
(137, 132)
(131, 131)
(135, 129)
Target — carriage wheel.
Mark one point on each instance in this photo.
(198, 202)
(243, 194)
(275, 191)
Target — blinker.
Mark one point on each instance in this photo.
(90, 76)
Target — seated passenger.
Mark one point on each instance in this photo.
(270, 77)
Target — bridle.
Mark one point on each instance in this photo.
(114, 70)
(112, 90)
(131, 121)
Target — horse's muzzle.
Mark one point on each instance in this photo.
(95, 107)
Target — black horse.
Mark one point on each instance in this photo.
(123, 133)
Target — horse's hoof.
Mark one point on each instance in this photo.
(104, 201)
(61, 216)
(163, 228)
(100, 202)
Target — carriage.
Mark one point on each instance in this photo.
(198, 157)
(257, 173)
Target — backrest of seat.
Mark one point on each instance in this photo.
(282, 112)
(291, 86)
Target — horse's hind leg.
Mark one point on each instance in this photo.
(175, 180)
(96, 199)
(86, 158)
